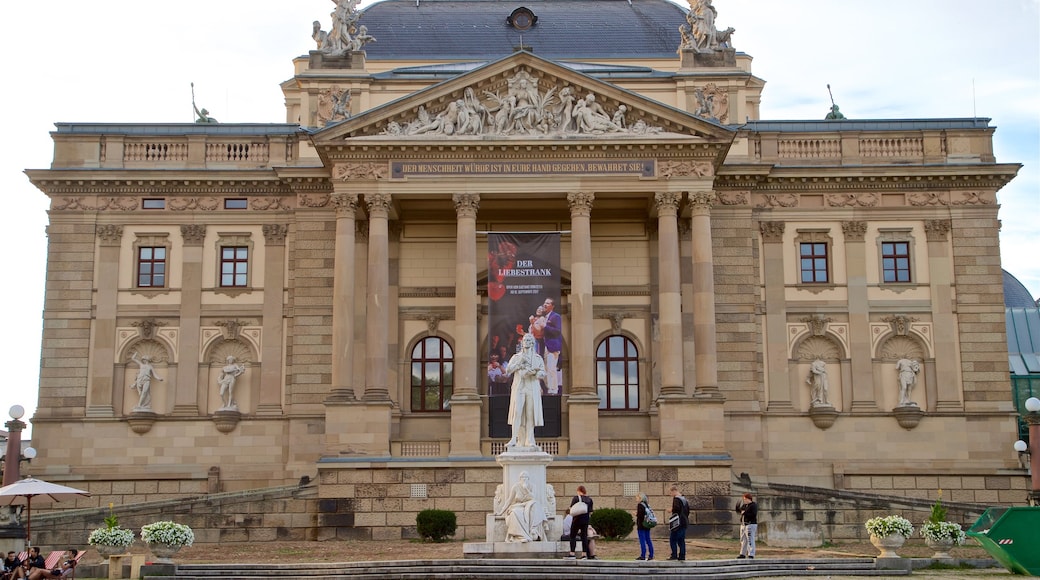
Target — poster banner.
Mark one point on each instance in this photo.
(523, 291)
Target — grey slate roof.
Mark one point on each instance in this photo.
(1016, 295)
(477, 29)
(1023, 333)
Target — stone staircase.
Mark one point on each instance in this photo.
(537, 569)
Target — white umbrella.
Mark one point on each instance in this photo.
(23, 491)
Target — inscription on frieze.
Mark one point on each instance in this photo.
(641, 167)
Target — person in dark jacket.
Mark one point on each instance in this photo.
(646, 545)
(748, 510)
(677, 534)
(580, 523)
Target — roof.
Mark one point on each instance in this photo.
(812, 126)
(1023, 333)
(1016, 295)
(479, 29)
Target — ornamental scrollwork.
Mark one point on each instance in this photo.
(314, 201)
(670, 169)
(194, 203)
(924, 198)
(269, 203)
(973, 198)
(853, 199)
(346, 171)
(778, 200)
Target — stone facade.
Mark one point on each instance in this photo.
(320, 259)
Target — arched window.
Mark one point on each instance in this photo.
(432, 376)
(617, 374)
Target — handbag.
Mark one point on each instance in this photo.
(674, 522)
(579, 509)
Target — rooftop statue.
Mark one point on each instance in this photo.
(699, 33)
(835, 113)
(346, 35)
(201, 116)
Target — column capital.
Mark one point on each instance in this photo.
(701, 202)
(109, 235)
(937, 230)
(667, 202)
(378, 204)
(771, 231)
(193, 234)
(855, 231)
(274, 234)
(580, 203)
(466, 204)
(346, 204)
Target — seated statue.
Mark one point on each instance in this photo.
(525, 518)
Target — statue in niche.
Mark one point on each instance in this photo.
(907, 369)
(227, 378)
(525, 397)
(525, 517)
(818, 382)
(143, 383)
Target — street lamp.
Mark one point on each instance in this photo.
(14, 451)
(1032, 449)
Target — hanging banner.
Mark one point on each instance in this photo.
(523, 291)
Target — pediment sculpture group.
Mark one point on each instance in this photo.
(906, 368)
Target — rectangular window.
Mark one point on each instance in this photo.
(151, 267)
(235, 203)
(234, 266)
(895, 261)
(813, 260)
(153, 203)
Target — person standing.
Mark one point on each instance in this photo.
(580, 523)
(646, 545)
(748, 510)
(677, 535)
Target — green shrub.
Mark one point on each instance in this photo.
(612, 523)
(435, 525)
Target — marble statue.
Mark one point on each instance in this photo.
(227, 378)
(525, 519)
(333, 105)
(818, 381)
(907, 369)
(699, 33)
(525, 397)
(345, 35)
(143, 383)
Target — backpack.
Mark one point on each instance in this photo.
(650, 519)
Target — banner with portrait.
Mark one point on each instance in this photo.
(523, 294)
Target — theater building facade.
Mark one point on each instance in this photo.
(816, 303)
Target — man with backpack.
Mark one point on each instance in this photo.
(678, 521)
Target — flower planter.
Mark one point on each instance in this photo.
(942, 547)
(105, 551)
(163, 552)
(888, 545)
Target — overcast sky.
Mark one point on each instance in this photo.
(134, 61)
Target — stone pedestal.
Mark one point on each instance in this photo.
(692, 58)
(908, 416)
(348, 60)
(823, 416)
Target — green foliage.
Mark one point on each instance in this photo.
(937, 565)
(112, 521)
(611, 523)
(435, 525)
(938, 511)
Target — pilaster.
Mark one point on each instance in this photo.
(777, 376)
(866, 392)
(271, 371)
(377, 312)
(465, 402)
(583, 404)
(101, 392)
(186, 396)
(704, 338)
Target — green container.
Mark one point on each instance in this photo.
(1012, 537)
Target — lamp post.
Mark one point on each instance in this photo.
(1032, 418)
(14, 454)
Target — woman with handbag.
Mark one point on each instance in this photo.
(581, 507)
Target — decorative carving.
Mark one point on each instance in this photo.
(771, 231)
(378, 203)
(670, 169)
(580, 203)
(345, 36)
(193, 234)
(269, 203)
(908, 416)
(194, 203)
(346, 204)
(701, 200)
(234, 348)
(733, 197)
(973, 198)
(817, 324)
(307, 200)
(104, 204)
(853, 199)
(466, 204)
(346, 171)
(109, 234)
(924, 198)
(146, 328)
(818, 347)
(855, 231)
(667, 202)
(900, 323)
(524, 108)
(937, 230)
(712, 103)
(699, 32)
(432, 323)
(274, 234)
(900, 347)
(231, 328)
(778, 200)
(333, 105)
(616, 320)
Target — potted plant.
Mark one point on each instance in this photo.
(889, 533)
(165, 538)
(939, 534)
(111, 539)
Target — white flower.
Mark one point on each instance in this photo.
(889, 525)
(116, 536)
(942, 531)
(167, 532)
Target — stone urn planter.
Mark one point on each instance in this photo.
(941, 547)
(163, 552)
(888, 545)
(166, 538)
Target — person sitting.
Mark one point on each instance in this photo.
(31, 563)
(11, 562)
(67, 567)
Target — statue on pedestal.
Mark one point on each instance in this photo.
(525, 517)
(818, 382)
(228, 375)
(143, 383)
(525, 398)
(907, 369)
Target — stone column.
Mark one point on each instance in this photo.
(186, 396)
(271, 371)
(378, 295)
(670, 324)
(343, 299)
(704, 338)
(777, 378)
(465, 401)
(583, 404)
(944, 321)
(866, 392)
(102, 399)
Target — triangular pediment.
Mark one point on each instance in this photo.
(519, 98)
